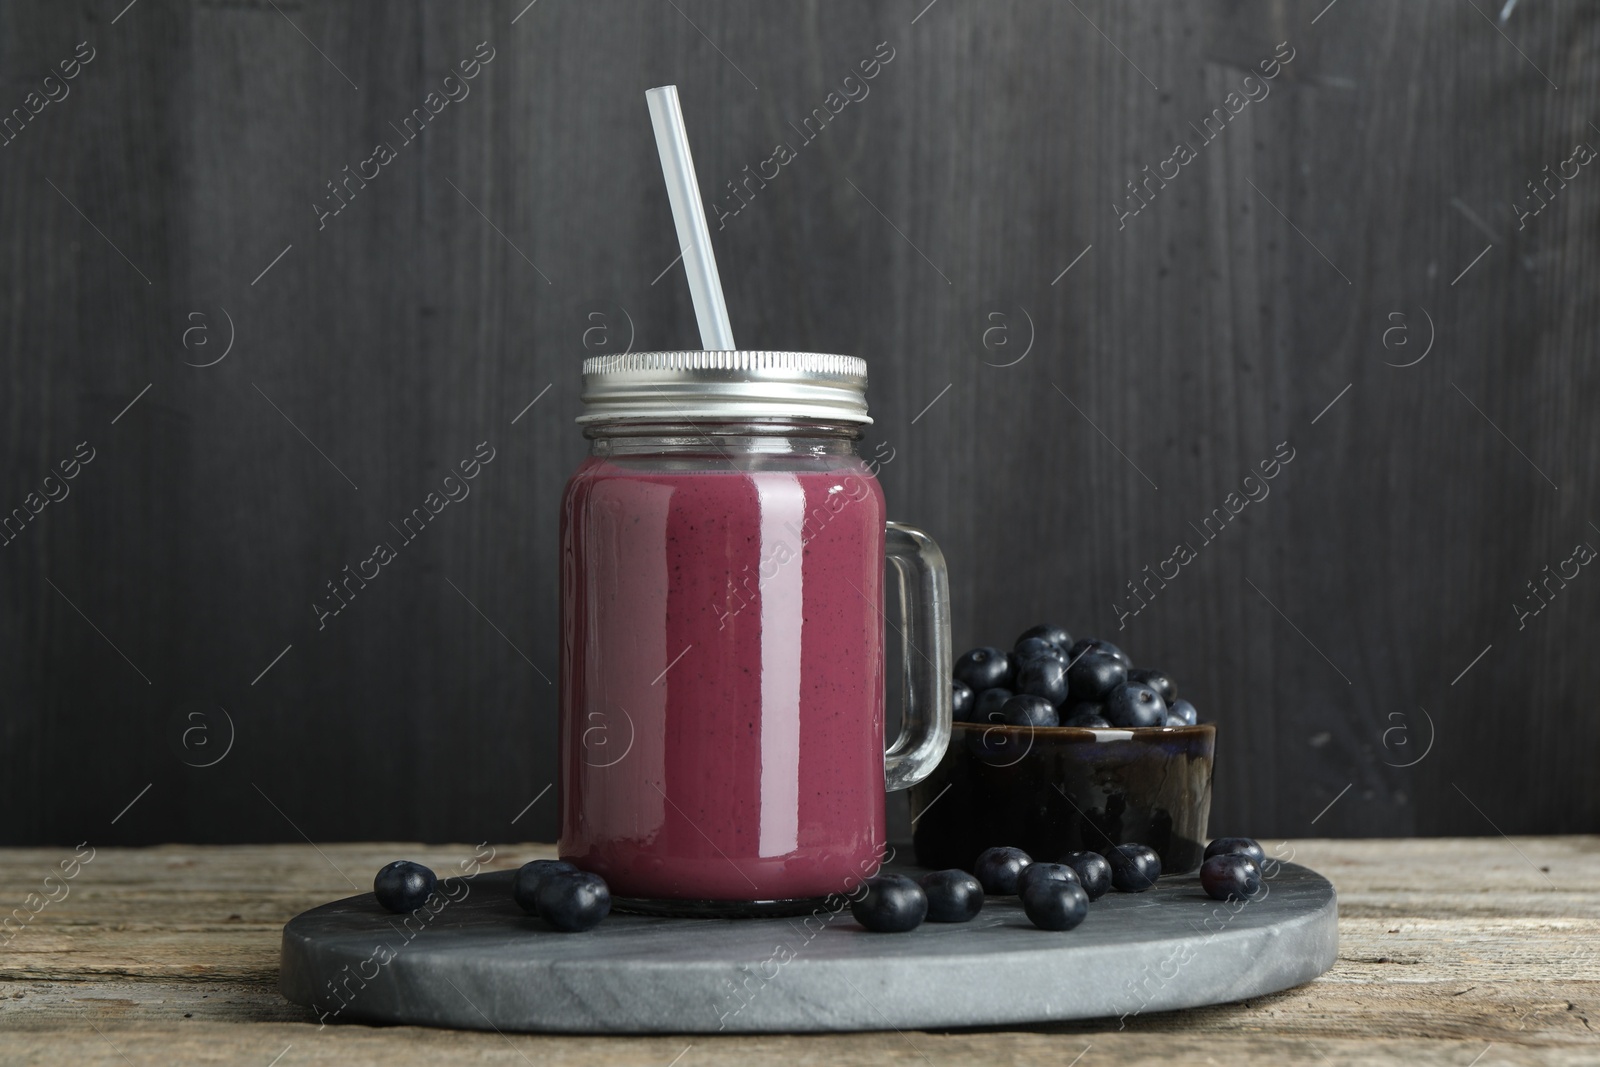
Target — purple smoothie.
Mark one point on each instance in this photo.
(722, 678)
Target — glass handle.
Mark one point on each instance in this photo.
(925, 627)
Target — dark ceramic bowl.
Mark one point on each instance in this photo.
(1060, 789)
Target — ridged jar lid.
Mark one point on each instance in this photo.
(688, 385)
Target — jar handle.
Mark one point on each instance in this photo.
(925, 627)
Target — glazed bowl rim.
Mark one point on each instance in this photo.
(1091, 733)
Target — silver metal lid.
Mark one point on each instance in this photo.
(668, 386)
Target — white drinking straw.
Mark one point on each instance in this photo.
(694, 236)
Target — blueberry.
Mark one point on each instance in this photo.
(1044, 872)
(1094, 872)
(1134, 868)
(1025, 710)
(1236, 846)
(1095, 645)
(1052, 905)
(572, 901)
(1091, 721)
(953, 896)
(525, 887)
(1033, 648)
(1160, 681)
(1043, 677)
(1049, 633)
(1081, 709)
(403, 886)
(1131, 704)
(1229, 876)
(892, 904)
(962, 700)
(1183, 711)
(986, 708)
(983, 668)
(999, 868)
(1094, 676)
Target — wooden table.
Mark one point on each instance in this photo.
(1462, 952)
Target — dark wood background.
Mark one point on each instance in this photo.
(1327, 629)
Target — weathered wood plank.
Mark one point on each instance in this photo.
(1446, 947)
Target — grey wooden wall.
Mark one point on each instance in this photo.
(1352, 265)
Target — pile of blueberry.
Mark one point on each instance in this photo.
(566, 898)
(1232, 868)
(1055, 896)
(1047, 679)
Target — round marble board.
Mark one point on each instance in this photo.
(481, 963)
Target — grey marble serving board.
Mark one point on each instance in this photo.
(480, 963)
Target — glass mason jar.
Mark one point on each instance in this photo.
(723, 557)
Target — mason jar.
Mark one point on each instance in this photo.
(723, 616)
